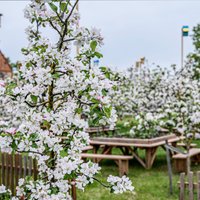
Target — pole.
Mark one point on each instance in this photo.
(0, 18)
(169, 168)
(77, 48)
(0, 22)
(182, 48)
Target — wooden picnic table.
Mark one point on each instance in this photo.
(101, 129)
(130, 146)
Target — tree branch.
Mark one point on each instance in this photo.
(65, 28)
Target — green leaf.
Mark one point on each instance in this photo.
(53, 7)
(103, 69)
(63, 153)
(54, 190)
(104, 92)
(13, 145)
(34, 145)
(33, 137)
(45, 124)
(34, 98)
(56, 75)
(79, 110)
(93, 45)
(95, 100)
(107, 111)
(10, 87)
(63, 6)
(107, 74)
(96, 120)
(49, 109)
(98, 55)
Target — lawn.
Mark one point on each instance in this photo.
(150, 184)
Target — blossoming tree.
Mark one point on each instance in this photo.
(55, 88)
(123, 95)
(167, 100)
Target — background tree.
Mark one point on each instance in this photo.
(194, 57)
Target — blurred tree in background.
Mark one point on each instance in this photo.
(194, 57)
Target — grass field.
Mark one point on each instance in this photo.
(150, 184)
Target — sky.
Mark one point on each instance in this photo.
(131, 29)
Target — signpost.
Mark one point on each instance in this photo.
(184, 33)
(0, 18)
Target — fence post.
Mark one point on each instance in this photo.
(190, 180)
(74, 197)
(182, 186)
(198, 185)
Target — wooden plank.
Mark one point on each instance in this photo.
(121, 173)
(136, 141)
(150, 155)
(184, 145)
(103, 156)
(198, 185)
(34, 169)
(169, 168)
(180, 165)
(87, 148)
(148, 158)
(129, 144)
(7, 170)
(100, 129)
(192, 152)
(135, 155)
(16, 169)
(124, 167)
(25, 165)
(106, 151)
(12, 180)
(182, 186)
(20, 166)
(153, 155)
(190, 180)
(30, 165)
(3, 168)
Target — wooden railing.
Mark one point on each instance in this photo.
(189, 186)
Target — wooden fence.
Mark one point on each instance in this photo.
(16, 166)
(188, 188)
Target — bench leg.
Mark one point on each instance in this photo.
(180, 165)
(196, 159)
(123, 167)
(150, 156)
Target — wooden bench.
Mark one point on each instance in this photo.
(180, 160)
(87, 148)
(121, 160)
(181, 144)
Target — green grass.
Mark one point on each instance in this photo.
(150, 184)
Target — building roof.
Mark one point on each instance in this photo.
(4, 64)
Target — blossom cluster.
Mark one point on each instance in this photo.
(5, 194)
(120, 185)
(8, 118)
